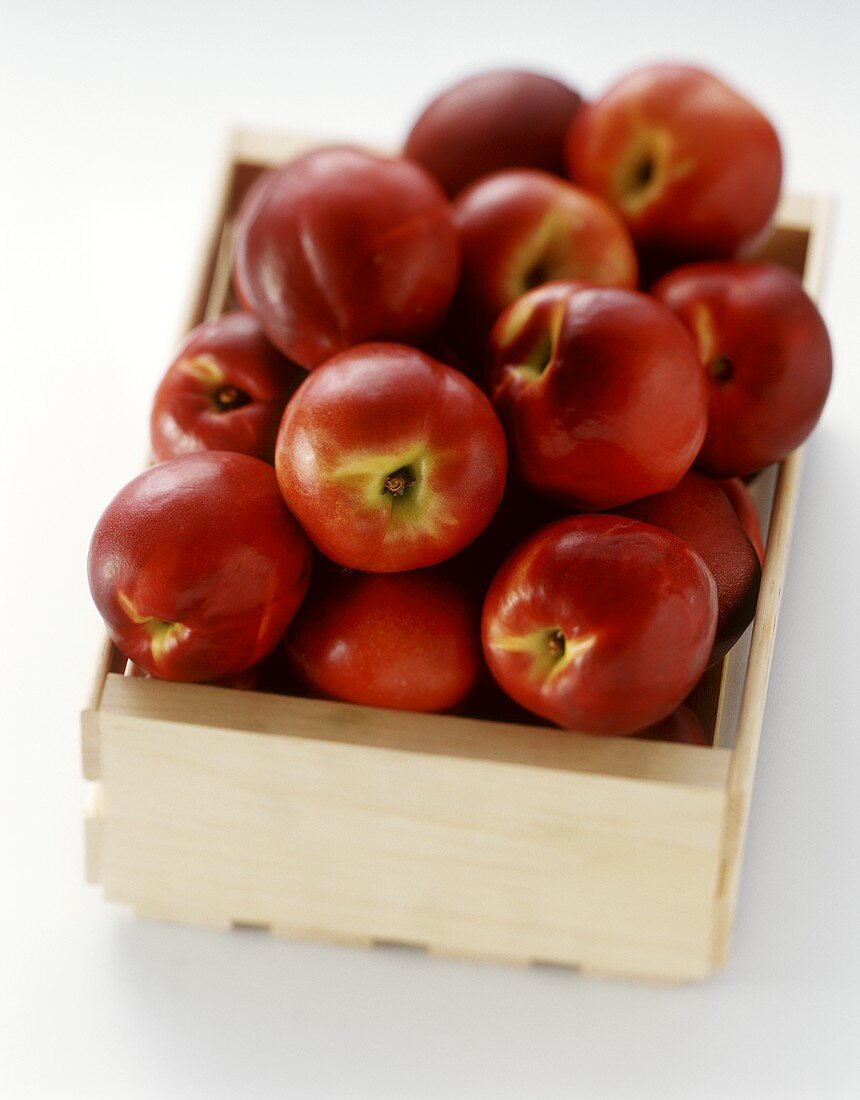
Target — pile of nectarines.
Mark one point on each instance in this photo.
(476, 438)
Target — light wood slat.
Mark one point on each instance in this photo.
(745, 752)
(196, 705)
(814, 216)
(463, 855)
(93, 833)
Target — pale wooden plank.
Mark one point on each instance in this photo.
(812, 214)
(467, 855)
(219, 291)
(451, 735)
(270, 148)
(316, 934)
(109, 660)
(90, 763)
(745, 752)
(821, 214)
(173, 910)
(795, 210)
(93, 833)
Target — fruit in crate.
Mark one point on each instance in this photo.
(197, 567)
(742, 501)
(521, 512)
(698, 511)
(764, 350)
(522, 228)
(600, 391)
(404, 640)
(389, 459)
(692, 166)
(506, 118)
(225, 391)
(408, 323)
(249, 679)
(600, 624)
(340, 247)
(682, 727)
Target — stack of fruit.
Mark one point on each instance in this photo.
(445, 393)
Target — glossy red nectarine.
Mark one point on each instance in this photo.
(698, 511)
(601, 624)
(522, 228)
(765, 353)
(745, 508)
(341, 246)
(405, 640)
(682, 727)
(197, 567)
(389, 459)
(693, 167)
(225, 391)
(600, 391)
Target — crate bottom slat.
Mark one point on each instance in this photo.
(603, 968)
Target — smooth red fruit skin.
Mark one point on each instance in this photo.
(766, 356)
(682, 727)
(522, 228)
(698, 511)
(246, 680)
(490, 121)
(197, 567)
(374, 411)
(637, 608)
(744, 505)
(225, 391)
(600, 392)
(340, 247)
(693, 167)
(405, 640)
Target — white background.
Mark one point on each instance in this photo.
(112, 120)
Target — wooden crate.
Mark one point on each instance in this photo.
(466, 837)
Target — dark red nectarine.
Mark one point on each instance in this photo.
(493, 120)
(765, 353)
(341, 246)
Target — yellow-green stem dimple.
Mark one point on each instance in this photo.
(163, 635)
(550, 649)
(398, 483)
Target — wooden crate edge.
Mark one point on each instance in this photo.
(814, 214)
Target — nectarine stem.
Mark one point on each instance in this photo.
(642, 174)
(555, 643)
(537, 275)
(230, 397)
(398, 482)
(721, 369)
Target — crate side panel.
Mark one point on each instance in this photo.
(432, 734)
(745, 752)
(462, 855)
(808, 220)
